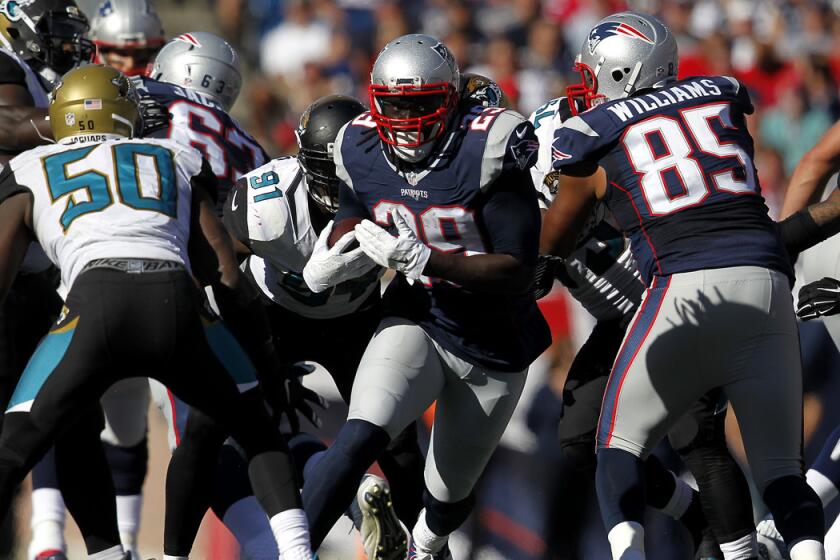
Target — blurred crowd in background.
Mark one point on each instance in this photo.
(787, 52)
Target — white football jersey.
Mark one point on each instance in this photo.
(615, 290)
(268, 211)
(103, 196)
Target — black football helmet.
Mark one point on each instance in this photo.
(316, 134)
(52, 32)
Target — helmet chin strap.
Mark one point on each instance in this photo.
(631, 83)
(124, 121)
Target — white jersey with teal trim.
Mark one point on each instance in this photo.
(603, 272)
(268, 211)
(103, 196)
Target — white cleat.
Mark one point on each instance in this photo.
(384, 537)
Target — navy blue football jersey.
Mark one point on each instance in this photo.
(198, 121)
(681, 178)
(474, 196)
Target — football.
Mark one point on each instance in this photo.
(340, 228)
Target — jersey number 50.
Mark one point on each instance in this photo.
(680, 160)
(64, 179)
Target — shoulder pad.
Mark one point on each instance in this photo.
(338, 158)
(269, 189)
(358, 135)
(510, 140)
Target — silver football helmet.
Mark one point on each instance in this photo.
(624, 53)
(202, 62)
(413, 91)
(127, 34)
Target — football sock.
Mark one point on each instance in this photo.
(742, 549)
(444, 518)
(627, 541)
(425, 539)
(680, 499)
(822, 485)
(796, 510)
(724, 493)
(403, 464)
(128, 520)
(832, 541)
(249, 524)
(291, 532)
(331, 486)
(113, 553)
(827, 465)
(807, 550)
(619, 481)
(168, 557)
(47, 521)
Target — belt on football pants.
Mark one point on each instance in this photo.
(134, 266)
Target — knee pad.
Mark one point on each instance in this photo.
(128, 467)
(442, 517)
(796, 509)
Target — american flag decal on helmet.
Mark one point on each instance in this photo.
(610, 28)
(188, 38)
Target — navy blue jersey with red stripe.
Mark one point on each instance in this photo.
(473, 197)
(681, 178)
(198, 121)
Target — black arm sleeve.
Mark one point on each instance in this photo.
(511, 217)
(800, 232)
(349, 205)
(235, 215)
(10, 72)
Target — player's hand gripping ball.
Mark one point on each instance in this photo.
(327, 267)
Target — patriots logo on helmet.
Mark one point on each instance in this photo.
(559, 155)
(611, 28)
(189, 39)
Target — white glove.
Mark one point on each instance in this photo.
(328, 267)
(404, 253)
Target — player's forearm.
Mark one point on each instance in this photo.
(806, 228)
(493, 273)
(568, 213)
(812, 173)
(22, 128)
(15, 238)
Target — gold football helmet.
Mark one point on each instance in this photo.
(94, 99)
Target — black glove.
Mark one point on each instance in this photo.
(154, 115)
(544, 274)
(819, 299)
(286, 395)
